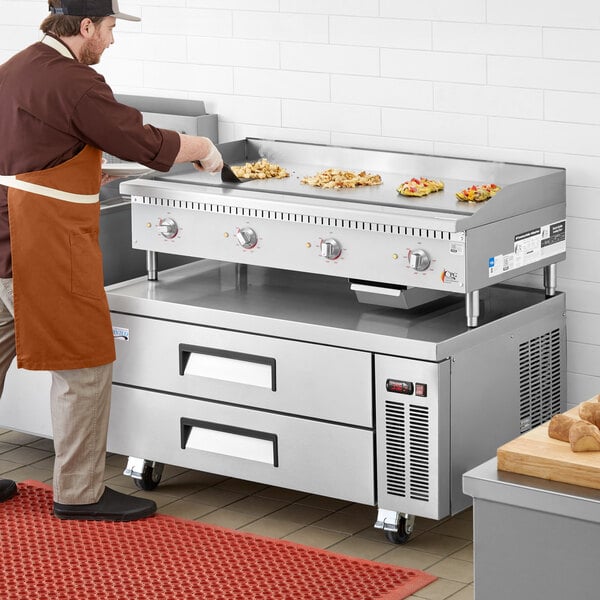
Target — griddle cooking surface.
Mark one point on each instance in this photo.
(525, 188)
(384, 195)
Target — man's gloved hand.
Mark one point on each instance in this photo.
(212, 162)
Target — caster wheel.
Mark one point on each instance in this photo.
(402, 535)
(151, 476)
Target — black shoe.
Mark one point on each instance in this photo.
(112, 506)
(8, 489)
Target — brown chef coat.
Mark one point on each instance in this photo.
(56, 115)
(51, 107)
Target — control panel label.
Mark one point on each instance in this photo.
(530, 247)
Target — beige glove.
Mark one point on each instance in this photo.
(213, 161)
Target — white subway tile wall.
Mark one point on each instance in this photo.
(495, 79)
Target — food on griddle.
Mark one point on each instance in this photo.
(420, 186)
(261, 169)
(338, 179)
(478, 193)
(559, 427)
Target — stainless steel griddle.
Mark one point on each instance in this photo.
(322, 344)
(370, 235)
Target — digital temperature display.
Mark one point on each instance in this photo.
(399, 387)
(406, 387)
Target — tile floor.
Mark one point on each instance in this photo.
(443, 548)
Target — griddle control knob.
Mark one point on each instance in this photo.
(419, 260)
(330, 249)
(246, 237)
(168, 228)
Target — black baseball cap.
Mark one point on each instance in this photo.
(92, 8)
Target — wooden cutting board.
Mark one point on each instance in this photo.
(536, 454)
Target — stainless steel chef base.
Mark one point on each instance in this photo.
(285, 378)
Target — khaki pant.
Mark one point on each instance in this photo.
(80, 407)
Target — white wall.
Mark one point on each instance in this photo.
(515, 80)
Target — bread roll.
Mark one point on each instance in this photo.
(584, 437)
(559, 427)
(590, 411)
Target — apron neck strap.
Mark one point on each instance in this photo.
(58, 46)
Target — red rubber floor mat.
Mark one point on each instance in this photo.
(166, 558)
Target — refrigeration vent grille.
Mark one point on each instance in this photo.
(395, 434)
(407, 450)
(539, 379)
(419, 452)
(276, 215)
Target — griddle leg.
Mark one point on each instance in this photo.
(550, 280)
(473, 308)
(151, 265)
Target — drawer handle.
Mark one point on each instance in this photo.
(235, 367)
(228, 440)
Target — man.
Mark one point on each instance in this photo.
(58, 115)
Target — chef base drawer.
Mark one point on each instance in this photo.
(316, 457)
(280, 375)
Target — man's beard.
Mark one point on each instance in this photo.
(91, 52)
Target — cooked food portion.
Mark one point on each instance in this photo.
(420, 186)
(261, 169)
(338, 179)
(478, 193)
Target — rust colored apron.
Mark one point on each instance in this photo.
(62, 319)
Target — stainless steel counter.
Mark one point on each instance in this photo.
(322, 309)
(534, 539)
